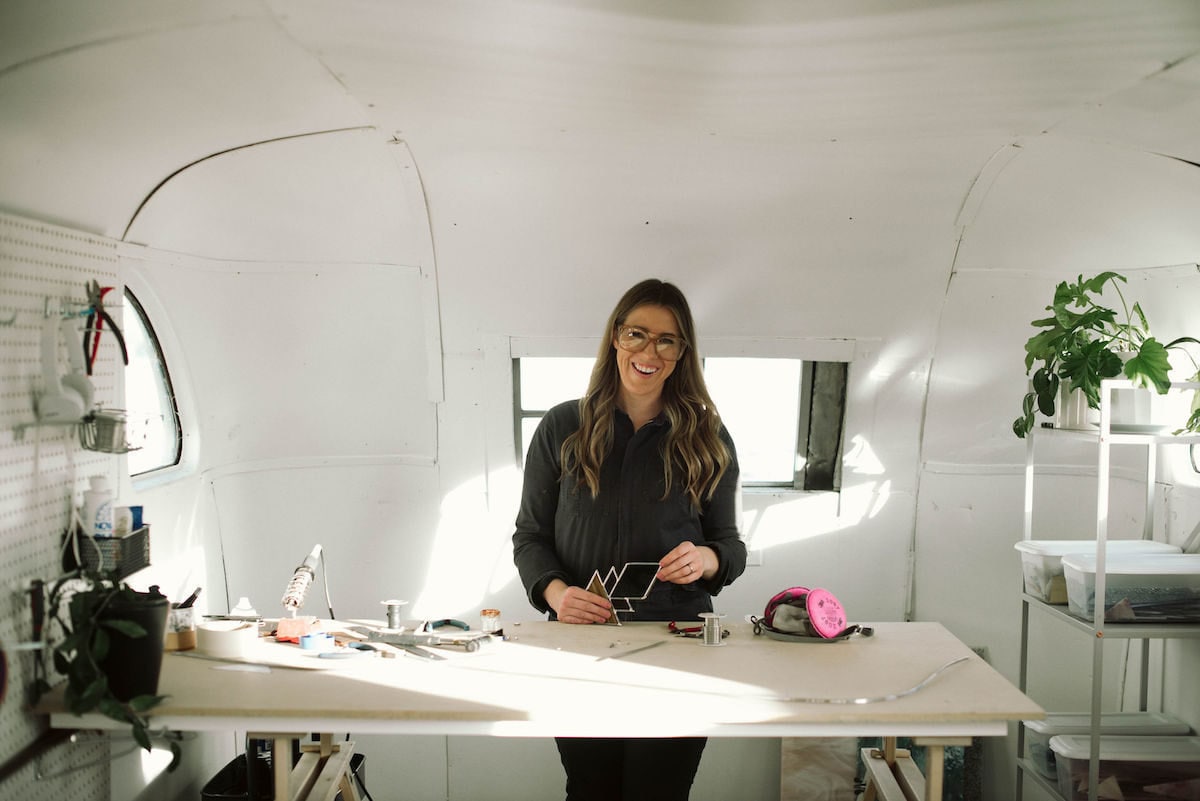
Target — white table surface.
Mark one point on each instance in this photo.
(552, 679)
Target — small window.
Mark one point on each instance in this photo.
(785, 415)
(153, 426)
(540, 383)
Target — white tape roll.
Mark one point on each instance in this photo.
(226, 638)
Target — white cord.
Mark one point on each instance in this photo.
(878, 698)
(325, 581)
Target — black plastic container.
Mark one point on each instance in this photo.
(133, 664)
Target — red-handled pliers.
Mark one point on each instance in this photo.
(97, 316)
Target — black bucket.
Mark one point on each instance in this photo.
(133, 664)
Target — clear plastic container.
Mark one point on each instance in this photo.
(1139, 587)
(1039, 732)
(1130, 766)
(1041, 562)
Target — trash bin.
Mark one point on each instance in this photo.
(235, 782)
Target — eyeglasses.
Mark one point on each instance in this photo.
(668, 346)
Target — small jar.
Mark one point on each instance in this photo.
(489, 620)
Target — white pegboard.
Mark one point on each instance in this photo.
(43, 472)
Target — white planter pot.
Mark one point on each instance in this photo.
(1072, 411)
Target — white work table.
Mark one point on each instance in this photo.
(552, 679)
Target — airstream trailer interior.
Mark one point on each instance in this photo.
(299, 280)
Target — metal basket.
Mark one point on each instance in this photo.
(104, 430)
(119, 556)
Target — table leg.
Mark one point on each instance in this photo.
(893, 776)
(935, 761)
(281, 763)
(322, 770)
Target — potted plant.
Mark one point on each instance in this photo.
(1083, 343)
(111, 649)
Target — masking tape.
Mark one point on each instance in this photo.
(226, 638)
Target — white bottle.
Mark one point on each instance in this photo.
(243, 609)
(98, 508)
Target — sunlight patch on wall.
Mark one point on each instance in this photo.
(861, 458)
(472, 555)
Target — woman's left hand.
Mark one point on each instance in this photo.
(688, 562)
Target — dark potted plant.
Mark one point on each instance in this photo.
(1083, 343)
(111, 649)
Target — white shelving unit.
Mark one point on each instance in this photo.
(1106, 438)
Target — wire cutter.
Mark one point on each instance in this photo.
(96, 317)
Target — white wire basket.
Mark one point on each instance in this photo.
(103, 430)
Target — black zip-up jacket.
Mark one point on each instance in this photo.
(563, 532)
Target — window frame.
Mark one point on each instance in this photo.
(808, 351)
(138, 308)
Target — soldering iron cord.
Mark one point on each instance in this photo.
(878, 698)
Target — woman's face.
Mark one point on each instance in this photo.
(644, 373)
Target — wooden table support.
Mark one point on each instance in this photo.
(893, 776)
(321, 771)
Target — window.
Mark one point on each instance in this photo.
(785, 415)
(540, 383)
(153, 417)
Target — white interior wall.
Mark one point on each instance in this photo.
(874, 255)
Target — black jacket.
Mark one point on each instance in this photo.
(563, 532)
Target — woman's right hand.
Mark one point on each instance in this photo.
(575, 604)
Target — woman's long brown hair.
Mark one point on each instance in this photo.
(692, 447)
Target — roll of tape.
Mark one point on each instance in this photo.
(226, 638)
(317, 641)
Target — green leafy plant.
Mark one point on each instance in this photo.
(1082, 344)
(87, 606)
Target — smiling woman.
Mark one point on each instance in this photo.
(640, 469)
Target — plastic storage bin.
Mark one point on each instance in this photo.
(1039, 732)
(1139, 588)
(1041, 562)
(1131, 767)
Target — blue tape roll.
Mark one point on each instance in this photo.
(316, 642)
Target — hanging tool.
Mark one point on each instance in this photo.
(96, 317)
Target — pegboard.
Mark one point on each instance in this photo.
(44, 270)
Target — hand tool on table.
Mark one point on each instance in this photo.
(416, 642)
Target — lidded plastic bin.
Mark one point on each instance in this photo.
(1039, 732)
(1139, 587)
(1130, 766)
(1041, 562)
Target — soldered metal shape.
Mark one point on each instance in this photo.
(620, 589)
